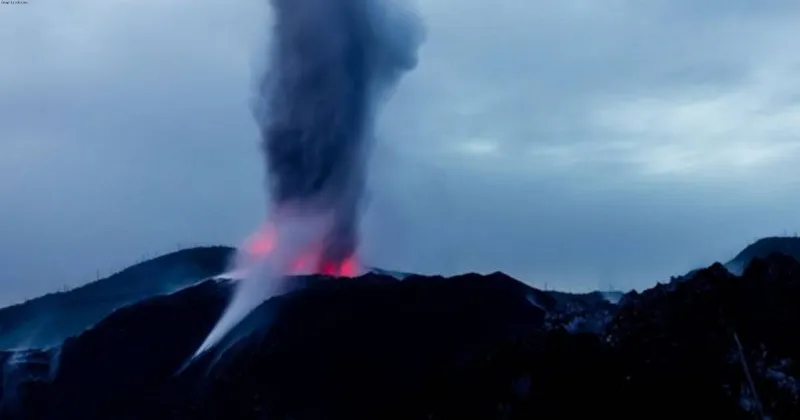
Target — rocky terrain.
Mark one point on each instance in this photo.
(469, 346)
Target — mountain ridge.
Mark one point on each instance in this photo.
(761, 248)
(432, 347)
(49, 319)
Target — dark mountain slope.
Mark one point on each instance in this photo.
(469, 346)
(48, 320)
(366, 351)
(669, 352)
(762, 248)
(343, 347)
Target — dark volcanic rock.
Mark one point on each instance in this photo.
(672, 351)
(585, 312)
(115, 367)
(25, 380)
(50, 319)
(705, 332)
(364, 350)
(434, 348)
(337, 349)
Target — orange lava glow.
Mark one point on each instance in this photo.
(263, 242)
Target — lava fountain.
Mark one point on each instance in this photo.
(332, 63)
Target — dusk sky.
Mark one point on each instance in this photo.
(578, 143)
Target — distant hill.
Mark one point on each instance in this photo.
(786, 245)
(49, 319)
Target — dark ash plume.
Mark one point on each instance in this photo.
(332, 60)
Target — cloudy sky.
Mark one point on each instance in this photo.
(579, 143)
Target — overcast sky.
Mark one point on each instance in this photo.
(573, 142)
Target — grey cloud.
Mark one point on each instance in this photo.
(125, 129)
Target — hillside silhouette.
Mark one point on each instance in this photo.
(469, 346)
(49, 319)
(420, 347)
(786, 245)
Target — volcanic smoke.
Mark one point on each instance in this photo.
(332, 63)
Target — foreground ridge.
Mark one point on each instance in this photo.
(469, 346)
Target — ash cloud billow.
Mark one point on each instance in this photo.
(332, 63)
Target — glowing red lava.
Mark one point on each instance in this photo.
(263, 242)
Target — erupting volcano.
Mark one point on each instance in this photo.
(332, 62)
(264, 241)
